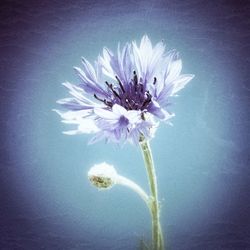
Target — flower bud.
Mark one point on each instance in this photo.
(102, 176)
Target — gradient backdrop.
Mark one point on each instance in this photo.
(202, 161)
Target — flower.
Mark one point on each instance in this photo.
(103, 175)
(126, 94)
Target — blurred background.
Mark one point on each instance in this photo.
(202, 162)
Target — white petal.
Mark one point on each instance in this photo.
(87, 126)
(156, 61)
(146, 46)
(134, 116)
(74, 90)
(174, 70)
(71, 132)
(119, 110)
(89, 70)
(71, 115)
(106, 114)
(137, 59)
(145, 53)
(105, 63)
(181, 81)
(82, 75)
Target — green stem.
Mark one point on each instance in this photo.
(132, 185)
(157, 237)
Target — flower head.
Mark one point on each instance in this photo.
(102, 175)
(125, 95)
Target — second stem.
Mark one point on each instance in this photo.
(157, 236)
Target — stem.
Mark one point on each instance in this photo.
(158, 243)
(132, 185)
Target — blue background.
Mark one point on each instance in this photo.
(202, 162)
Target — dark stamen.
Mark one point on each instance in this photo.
(112, 89)
(147, 101)
(135, 78)
(108, 103)
(154, 80)
(120, 84)
(99, 99)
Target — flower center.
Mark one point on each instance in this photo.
(133, 96)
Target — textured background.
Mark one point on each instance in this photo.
(202, 162)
